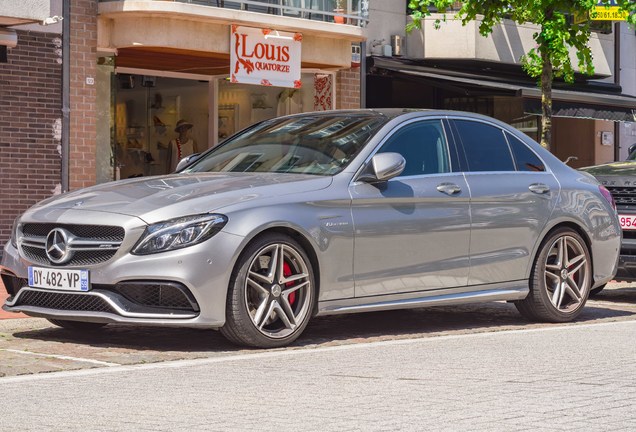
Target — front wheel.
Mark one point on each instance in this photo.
(560, 280)
(271, 293)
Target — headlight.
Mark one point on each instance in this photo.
(179, 233)
(14, 233)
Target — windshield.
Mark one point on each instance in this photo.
(319, 144)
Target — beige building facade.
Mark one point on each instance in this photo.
(159, 62)
(454, 67)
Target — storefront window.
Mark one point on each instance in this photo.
(150, 112)
(241, 105)
(105, 131)
(147, 110)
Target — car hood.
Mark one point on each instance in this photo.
(627, 168)
(154, 199)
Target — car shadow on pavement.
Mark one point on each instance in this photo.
(619, 295)
(436, 321)
(141, 338)
(336, 329)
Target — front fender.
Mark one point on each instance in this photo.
(327, 229)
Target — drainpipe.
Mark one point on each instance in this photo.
(66, 93)
(617, 80)
(363, 74)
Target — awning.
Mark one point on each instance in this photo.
(565, 108)
(581, 103)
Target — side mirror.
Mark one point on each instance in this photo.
(186, 161)
(383, 167)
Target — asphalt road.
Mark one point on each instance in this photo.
(478, 367)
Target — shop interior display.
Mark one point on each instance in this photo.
(163, 115)
(148, 108)
(147, 111)
(142, 146)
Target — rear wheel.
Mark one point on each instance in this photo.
(560, 280)
(271, 293)
(77, 325)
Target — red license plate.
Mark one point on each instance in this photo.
(627, 222)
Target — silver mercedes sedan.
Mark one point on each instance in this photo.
(317, 214)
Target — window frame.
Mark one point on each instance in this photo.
(514, 159)
(461, 144)
(454, 165)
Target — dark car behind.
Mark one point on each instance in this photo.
(620, 179)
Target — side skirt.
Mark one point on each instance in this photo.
(486, 293)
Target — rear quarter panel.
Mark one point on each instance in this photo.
(581, 203)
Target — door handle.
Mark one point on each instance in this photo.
(539, 188)
(449, 188)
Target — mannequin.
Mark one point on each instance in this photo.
(181, 146)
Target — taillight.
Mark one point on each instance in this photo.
(608, 196)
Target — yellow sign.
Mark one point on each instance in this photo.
(608, 13)
(580, 17)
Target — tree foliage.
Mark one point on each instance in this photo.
(556, 37)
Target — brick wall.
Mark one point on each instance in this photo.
(348, 89)
(82, 169)
(30, 125)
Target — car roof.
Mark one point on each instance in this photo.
(391, 113)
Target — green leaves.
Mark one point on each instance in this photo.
(557, 35)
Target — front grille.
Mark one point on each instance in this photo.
(94, 232)
(97, 243)
(167, 295)
(63, 301)
(629, 234)
(83, 258)
(623, 195)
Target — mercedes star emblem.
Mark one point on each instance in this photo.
(57, 246)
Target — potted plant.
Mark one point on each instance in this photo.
(340, 9)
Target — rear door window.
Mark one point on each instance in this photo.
(525, 159)
(485, 146)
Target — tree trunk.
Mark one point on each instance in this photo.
(546, 101)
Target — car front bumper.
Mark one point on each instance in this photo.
(626, 268)
(203, 271)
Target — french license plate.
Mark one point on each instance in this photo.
(59, 279)
(628, 222)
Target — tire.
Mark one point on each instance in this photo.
(597, 290)
(272, 306)
(560, 280)
(77, 325)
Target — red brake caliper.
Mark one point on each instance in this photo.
(287, 272)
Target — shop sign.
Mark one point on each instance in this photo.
(265, 57)
(608, 11)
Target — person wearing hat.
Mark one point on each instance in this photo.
(181, 146)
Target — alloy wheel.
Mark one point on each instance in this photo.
(567, 273)
(278, 290)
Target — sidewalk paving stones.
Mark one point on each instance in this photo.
(33, 345)
(533, 379)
